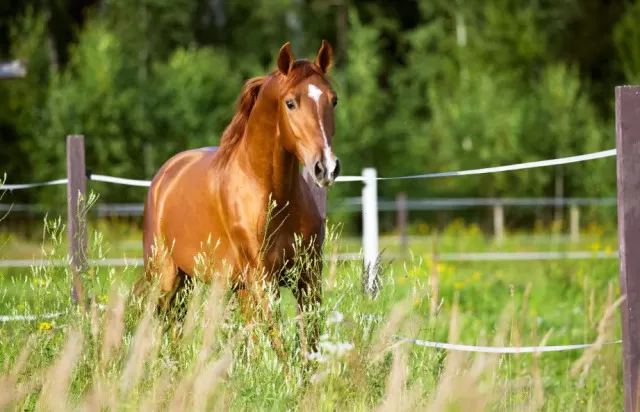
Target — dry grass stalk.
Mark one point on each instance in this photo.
(455, 376)
(113, 326)
(146, 336)
(398, 313)
(9, 389)
(154, 398)
(56, 384)
(333, 268)
(208, 380)
(525, 304)
(592, 304)
(537, 401)
(583, 364)
(396, 394)
(434, 281)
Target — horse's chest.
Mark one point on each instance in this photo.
(281, 250)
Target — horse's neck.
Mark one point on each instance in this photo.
(271, 163)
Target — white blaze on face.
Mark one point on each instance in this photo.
(314, 94)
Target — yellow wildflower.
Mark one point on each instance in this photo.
(595, 246)
(458, 285)
(608, 250)
(45, 326)
(400, 280)
(476, 276)
(39, 282)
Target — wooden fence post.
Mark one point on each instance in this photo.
(628, 180)
(498, 222)
(401, 206)
(574, 223)
(76, 213)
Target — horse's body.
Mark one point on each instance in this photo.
(215, 201)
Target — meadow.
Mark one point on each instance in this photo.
(125, 357)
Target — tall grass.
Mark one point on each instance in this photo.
(125, 356)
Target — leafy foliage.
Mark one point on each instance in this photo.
(424, 86)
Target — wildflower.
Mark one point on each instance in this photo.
(338, 349)
(595, 246)
(335, 317)
(317, 377)
(441, 267)
(317, 356)
(458, 285)
(608, 250)
(400, 280)
(476, 276)
(39, 282)
(45, 326)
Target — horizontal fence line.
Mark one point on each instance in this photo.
(135, 209)
(507, 349)
(519, 166)
(11, 318)
(444, 257)
(424, 343)
(33, 185)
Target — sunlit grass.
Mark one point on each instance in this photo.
(127, 358)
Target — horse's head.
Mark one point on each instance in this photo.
(306, 112)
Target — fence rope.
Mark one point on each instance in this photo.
(10, 318)
(32, 185)
(519, 166)
(120, 180)
(497, 349)
(424, 343)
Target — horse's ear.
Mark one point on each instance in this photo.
(285, 59)
(324, 59)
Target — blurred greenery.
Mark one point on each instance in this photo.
(424, 86)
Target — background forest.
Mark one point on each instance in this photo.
(424, 86)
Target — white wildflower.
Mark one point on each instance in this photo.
(335, 317)
(317, 377)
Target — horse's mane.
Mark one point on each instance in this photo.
(246, 101)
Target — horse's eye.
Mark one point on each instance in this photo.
(290, 104)
(335, 101)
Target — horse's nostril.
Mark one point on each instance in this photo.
(319, 170)
(336, 171)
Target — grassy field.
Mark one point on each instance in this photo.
(124, 358)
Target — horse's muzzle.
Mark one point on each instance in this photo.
(325, 172)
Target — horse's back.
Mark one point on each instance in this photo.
(177, 181)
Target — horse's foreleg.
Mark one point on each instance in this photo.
(160, 271)
(309, 298)
(254, 300)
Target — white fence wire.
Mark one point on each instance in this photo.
(485, 256)
(518, 166)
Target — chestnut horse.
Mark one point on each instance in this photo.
(222, 195)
